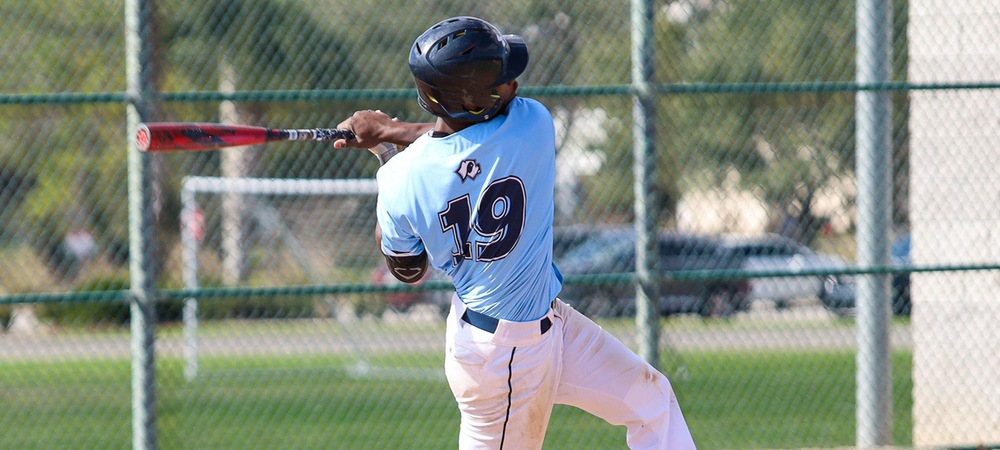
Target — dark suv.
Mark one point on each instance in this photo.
(612, 251)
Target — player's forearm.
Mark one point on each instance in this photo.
(373, 127)
(398, 134)
(404, 133)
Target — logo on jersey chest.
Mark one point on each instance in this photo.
(468, 169)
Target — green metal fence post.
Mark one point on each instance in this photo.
(644, 167)
(874, 144)
(142, 295)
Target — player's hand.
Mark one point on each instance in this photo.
(370, 128)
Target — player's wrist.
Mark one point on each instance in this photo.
(385, 151)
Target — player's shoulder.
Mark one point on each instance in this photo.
(531, 116)
(530, 106)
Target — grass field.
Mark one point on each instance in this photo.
(731, 400)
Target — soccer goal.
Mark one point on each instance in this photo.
(271, 232)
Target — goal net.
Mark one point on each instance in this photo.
(274, 233)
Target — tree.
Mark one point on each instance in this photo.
(787, 146)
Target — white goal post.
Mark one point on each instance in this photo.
(193, 185)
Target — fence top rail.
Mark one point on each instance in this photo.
(556, 90)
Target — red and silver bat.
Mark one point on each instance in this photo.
(196, 137)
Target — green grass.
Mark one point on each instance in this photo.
(731, 400)
(783, 400)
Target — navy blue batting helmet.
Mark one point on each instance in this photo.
(458, 63)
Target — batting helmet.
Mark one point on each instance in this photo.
(458, 63)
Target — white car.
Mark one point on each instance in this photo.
(774, 255)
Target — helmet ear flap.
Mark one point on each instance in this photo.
(427, 98)
(428, 102)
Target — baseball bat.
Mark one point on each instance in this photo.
(196, 137)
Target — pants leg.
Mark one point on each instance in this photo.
(505, 393)
(602, 376)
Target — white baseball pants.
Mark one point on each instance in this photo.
(507, 382)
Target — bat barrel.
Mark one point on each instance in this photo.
(167, 136)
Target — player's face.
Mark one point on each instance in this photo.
(506, 91)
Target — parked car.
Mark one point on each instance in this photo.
(839, 293)
(775, 254)
(610, 251)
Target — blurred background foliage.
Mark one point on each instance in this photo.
(295, 64)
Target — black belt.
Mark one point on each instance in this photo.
(489, 324)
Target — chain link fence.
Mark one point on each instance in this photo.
(276, 325)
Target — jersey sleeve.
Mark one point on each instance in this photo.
(398, 235)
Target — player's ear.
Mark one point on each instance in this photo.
(507, 91)
(511, 86)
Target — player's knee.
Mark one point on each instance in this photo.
(651, 396)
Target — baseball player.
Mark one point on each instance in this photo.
(472, 195)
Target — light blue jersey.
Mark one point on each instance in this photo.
(479, 202)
